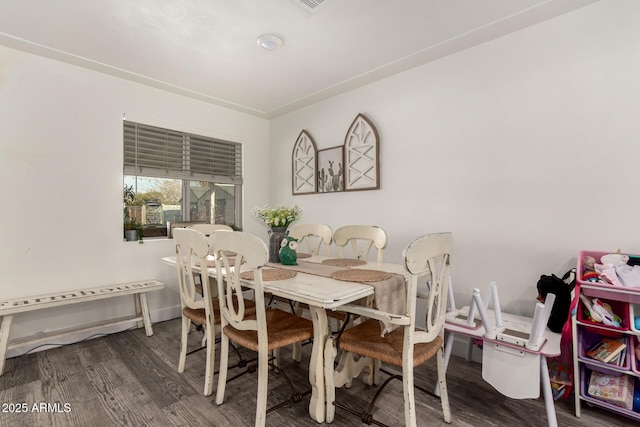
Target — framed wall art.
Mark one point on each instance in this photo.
(304, 165)
(330, 170)
(353, 166)
(361, 154)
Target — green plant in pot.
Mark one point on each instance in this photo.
(132, 228)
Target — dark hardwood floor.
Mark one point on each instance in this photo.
(129, 379)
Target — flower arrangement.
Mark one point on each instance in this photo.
(280, 216)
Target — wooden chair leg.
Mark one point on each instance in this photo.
(263, 377)
(276, 357)
(375, 371)
(442, 382)
(409, 396)
(296, 349)
(296, 352)
(211, 356)
(186, 324)
(222, 372)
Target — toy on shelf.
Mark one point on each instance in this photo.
(609, 350)
(561, 380)
(613, 269)
(614, 389)
(601, 312)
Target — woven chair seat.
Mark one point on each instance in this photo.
(282, 329)
(364, 339)
(198, 315)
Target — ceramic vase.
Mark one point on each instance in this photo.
(276, 234)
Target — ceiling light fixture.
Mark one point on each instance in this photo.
(269, 42)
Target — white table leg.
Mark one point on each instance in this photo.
(447, 349)
(316, 364)
(469, 350)
(546, 391)
(5, 325)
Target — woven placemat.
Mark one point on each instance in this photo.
(301, 255)
(270, 274)
(361, 275)
(212, 263)
(344, 262)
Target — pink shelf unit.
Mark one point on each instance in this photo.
(584, 386)
(635, 363)
(634, 310)
(590, 339)
(620, 308)
(598, 290)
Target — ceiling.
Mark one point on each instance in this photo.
(207, 49)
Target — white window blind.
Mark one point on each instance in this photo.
(165, 153)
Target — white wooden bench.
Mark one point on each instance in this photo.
(20, 305)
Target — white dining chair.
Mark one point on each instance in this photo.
(208, 229)
(362, 239)
(406, 346)
(198, 307)
(311, 237)
(263, 332)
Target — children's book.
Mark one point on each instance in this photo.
(617, 390)
(607, 350)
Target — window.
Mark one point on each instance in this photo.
(180, 177)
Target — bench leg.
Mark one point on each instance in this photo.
(136, 300)
(5, 325)
(142, 302)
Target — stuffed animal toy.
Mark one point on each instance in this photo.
(288, 247)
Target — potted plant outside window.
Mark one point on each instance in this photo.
(132, 228)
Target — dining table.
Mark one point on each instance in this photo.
(314, 284)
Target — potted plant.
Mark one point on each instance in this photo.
(132, 228)
(277, 219)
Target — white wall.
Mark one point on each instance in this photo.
(61, 183)
(525, 147)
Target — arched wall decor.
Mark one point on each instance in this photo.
(361, 154)
(352, 166)
(304, 162)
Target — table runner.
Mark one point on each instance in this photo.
(270, 274)
(343, 262)
(389, 295)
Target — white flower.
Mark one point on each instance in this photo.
(280, 216)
